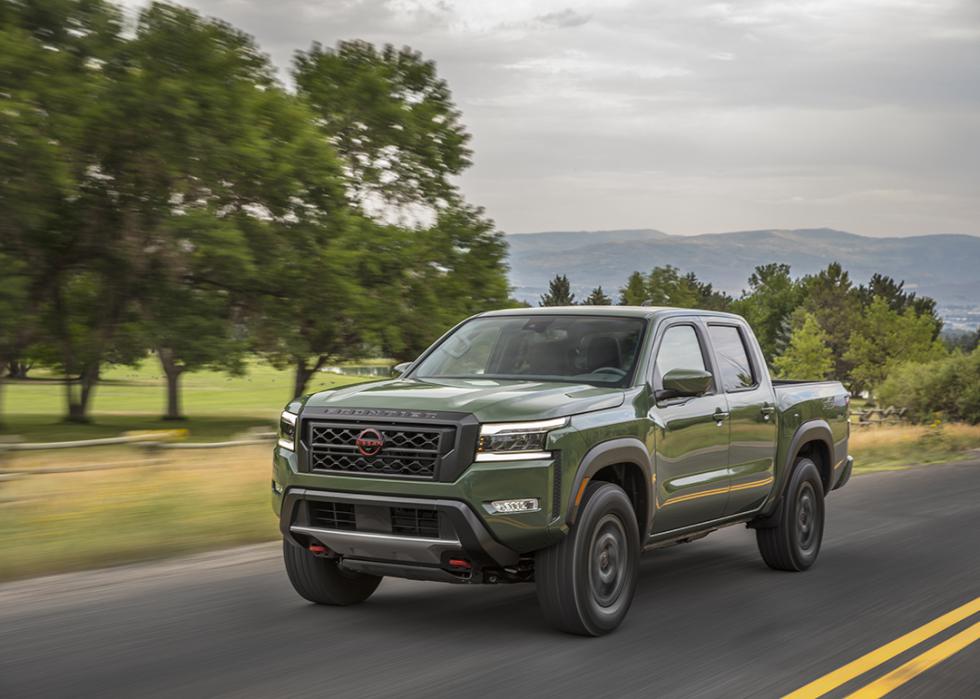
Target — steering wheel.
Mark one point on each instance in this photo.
(620, 373)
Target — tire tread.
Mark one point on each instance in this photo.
(776, 544)
(321, 581)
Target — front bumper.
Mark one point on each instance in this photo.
(371, 538)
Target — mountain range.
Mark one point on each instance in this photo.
(945, 267)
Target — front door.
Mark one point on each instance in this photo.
(691, 436)
(753, 416)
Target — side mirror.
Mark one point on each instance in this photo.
(400, 369)
(685, 383)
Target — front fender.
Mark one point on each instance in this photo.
(623, 450)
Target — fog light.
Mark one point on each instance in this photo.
(501, 507)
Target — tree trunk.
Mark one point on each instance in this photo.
(80, 400)
(18, 370)
(173, 371)
(304, 372)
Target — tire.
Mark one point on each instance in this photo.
(794, 542)
(321, 580)
(586, 582)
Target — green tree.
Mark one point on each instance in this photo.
(884, 338)
(456, 269)
(559, 292)
(767, 305)
(836, 304)
(704, 294)
(597, 298)
(391, 118)
(191, 323)
(61, 217)
(666, 287)
(898, 299)
(635, 291)
(239, 173)
(192, 108)
(808, 355)
(401, 141)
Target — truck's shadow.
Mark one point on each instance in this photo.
(680, 577)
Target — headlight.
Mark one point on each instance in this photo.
(511, 441)
(287, 430)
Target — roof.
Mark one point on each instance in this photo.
(612, 311)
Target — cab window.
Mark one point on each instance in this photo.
(733, 357)
(680, 348)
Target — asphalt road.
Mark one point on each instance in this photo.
(901, 549)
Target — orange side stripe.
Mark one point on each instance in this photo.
(718, 491)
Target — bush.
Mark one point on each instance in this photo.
(948, 388)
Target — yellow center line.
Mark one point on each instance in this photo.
(848, 672)
(919, 664)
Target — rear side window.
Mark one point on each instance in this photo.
(679, 349)
(733, 358)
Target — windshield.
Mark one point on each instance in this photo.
(581, 349)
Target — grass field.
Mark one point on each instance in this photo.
(172, 502)
(217, 405)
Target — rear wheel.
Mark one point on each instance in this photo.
(321, 580)
(794, 542)
(586, 582)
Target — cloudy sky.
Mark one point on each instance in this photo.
(689, 116)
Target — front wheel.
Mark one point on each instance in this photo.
(585, 583)
(794, 542)
(321, 580)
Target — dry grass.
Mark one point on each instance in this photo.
(188, 501)
(892, 446)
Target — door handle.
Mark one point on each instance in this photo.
(767, 411)
(720, 415)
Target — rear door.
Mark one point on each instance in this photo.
(743, 377)
(691, 434)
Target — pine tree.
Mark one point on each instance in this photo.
(635, 293)
(808, 355)
(597, 298)
(559, 292)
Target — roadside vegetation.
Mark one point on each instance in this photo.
(181, 502)
(889, 447)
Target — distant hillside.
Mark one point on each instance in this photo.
(946, 267)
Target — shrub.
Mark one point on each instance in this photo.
(948, 387)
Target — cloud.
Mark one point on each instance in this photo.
(564, 18)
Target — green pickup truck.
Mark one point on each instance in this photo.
(554, 446)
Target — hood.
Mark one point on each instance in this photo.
(489, 400)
